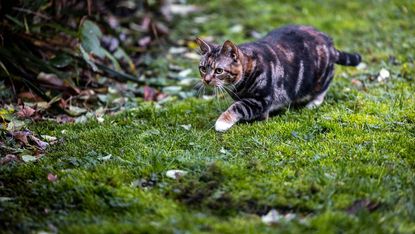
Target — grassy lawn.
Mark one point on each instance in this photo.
(348, 166)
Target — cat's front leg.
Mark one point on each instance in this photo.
(226, 120)
(245, 109)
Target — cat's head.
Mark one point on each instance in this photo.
(220, 65)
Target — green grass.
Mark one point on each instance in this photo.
(359, 145)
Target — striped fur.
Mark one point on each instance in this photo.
(293, 64)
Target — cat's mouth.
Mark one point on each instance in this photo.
(211, 83)
(217, 83)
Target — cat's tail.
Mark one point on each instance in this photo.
(346, 59)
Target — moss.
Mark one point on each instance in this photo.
(314, 163)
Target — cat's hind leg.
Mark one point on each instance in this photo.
(317, 101)
(319, 98)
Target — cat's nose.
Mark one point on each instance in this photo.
(207, 79)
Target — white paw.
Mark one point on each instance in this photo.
(311, 105)
(222, 126)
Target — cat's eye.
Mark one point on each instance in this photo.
(218, 70)
(202, 69)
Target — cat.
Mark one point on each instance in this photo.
(291, 65)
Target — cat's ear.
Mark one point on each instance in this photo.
(229, 49)
(205, 47)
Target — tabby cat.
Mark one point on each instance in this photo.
(291, 65)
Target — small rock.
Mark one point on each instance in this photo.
(192, 56)
(358, 84)
(383, 75)
(290, 216)
(177, 50)
(49, 138)
(236, 28)
(105, 158)
(186, 126)
(185, 73)
(361, 66)
(100, 119)
(175, 174)
(273, 217)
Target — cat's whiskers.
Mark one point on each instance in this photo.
(231, 91)
(201, 90)
(220, 87)
(224, 93)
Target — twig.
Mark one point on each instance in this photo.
(89, 7)
(31, 12)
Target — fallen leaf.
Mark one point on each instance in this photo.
(356, 82)
(25, 112)
(208, 97)
(90, 33)
(42, 105)
(183, 10)
(100, 119)
(364, 204)
(39, 143)
(5, 199)
(188, 82)
(81, 119)
(64, 119)
(49, 138)
(28, 158)
(186, 126)
(273, 217)
(192, 56)
(359, 84)
(150, 94)
(22, 136)
(175, 174)
(236, 28)
(51, 79)
(15, 125)
(76, 111)
(105, 158)
(29, 96)
(361, 66)
(52, 177)
(112, 21)
(8, 159)
(185, 73)
(172, 89)
(145, 41)
(224, 151)
(61, 60)
(177, 50)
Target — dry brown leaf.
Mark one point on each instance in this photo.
(25, 112)
(64, 119)
(51, 79)
(39, 143)
(364, 204)
(21, 136)
(145, 41)
(52, 177)
(150, 94)
(8, 159)
(29, 96)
